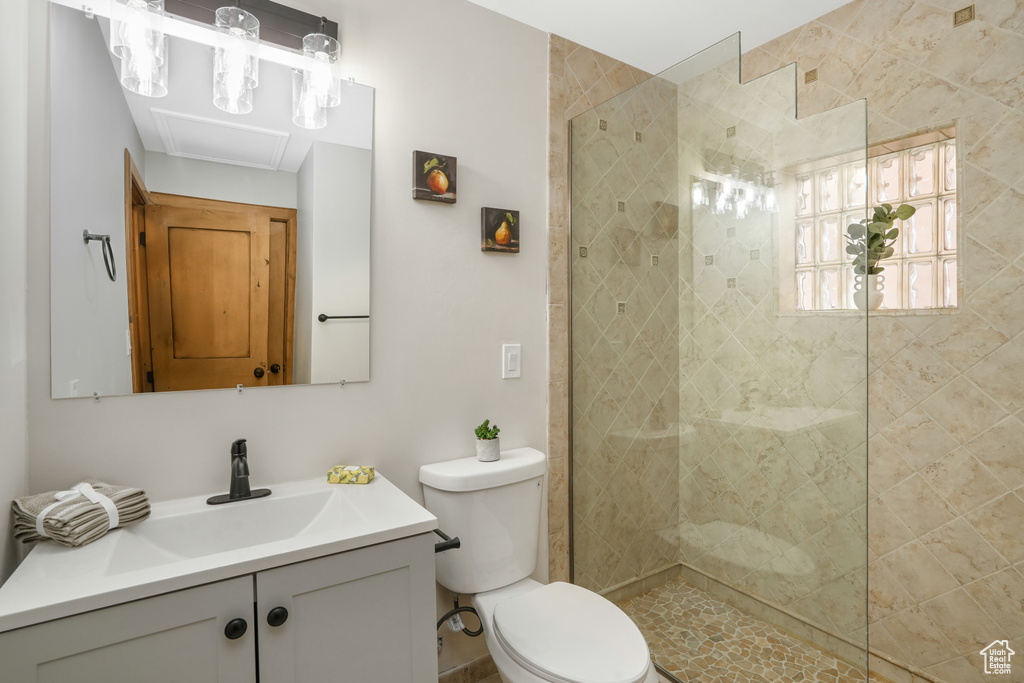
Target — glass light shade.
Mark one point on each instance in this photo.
(235, 61)
(135, 25)
(233, 100)
(324, 68)
(307, 112)
(136, 38)
(143, 73)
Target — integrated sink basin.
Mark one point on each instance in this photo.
(210, 531)
(186, 541)
(187, 529)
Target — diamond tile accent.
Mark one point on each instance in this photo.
(962, 16)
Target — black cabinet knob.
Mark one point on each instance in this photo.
(277, 616)
(235, 629)
(275, 368)
(258, 372)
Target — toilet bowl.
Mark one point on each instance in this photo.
(558, 632)
(561, 633)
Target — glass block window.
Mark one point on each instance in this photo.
(922, 273)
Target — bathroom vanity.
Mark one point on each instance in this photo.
(332, 582)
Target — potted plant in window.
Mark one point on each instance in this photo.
(487, 442)
(869, 241)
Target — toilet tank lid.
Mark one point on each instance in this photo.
(470, 474)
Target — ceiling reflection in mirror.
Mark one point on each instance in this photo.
(231, 235)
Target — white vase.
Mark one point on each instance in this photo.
(867, 291)
(488, 450)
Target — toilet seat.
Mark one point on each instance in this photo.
(567, 634)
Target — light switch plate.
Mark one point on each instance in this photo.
(511, 361)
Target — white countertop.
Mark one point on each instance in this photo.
(186, 543)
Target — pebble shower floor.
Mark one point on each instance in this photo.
(700, 639)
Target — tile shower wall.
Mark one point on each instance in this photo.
(946, 450)
(773, 458)
(578, 79)
(625, 314)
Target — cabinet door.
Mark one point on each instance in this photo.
(171, 638)
(362, 616)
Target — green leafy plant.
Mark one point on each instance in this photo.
(487, 432)
(871, 239)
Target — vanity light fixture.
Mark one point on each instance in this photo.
(317, 85)
(137, 39)
(236, 65)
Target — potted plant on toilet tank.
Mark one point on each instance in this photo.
(870, 241)
(487, 442)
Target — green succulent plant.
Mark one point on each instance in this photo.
(870, 240)
(486, 432)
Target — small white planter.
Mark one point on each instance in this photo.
(867, 291)
(488, 450)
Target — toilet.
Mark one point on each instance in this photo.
(559, 632)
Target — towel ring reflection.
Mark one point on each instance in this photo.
(108, 252)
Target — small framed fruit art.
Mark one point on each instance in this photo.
(499, 230)
(433, 177)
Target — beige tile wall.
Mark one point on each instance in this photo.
(947, 441)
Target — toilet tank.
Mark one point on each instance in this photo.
(494, 509)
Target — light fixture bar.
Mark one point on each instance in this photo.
(279, 24)
(195, 31)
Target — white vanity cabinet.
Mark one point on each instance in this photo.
(362, 615)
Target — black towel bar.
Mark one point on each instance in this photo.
(323, 317)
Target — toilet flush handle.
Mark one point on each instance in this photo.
(447, 544)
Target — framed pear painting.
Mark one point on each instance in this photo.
(433, 177)
(499, 230)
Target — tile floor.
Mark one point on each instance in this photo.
(700, 639)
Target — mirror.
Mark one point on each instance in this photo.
(231, 235)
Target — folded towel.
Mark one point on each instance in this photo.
(79, 515)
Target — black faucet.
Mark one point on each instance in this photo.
(239, 478)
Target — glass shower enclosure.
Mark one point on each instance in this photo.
(719, 383)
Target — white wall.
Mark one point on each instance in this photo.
(225, 182)
(450, 77)
(13, 236)
(92, 127)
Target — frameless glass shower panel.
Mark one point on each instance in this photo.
(625, 336)
(718, 386)
(772, 388)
